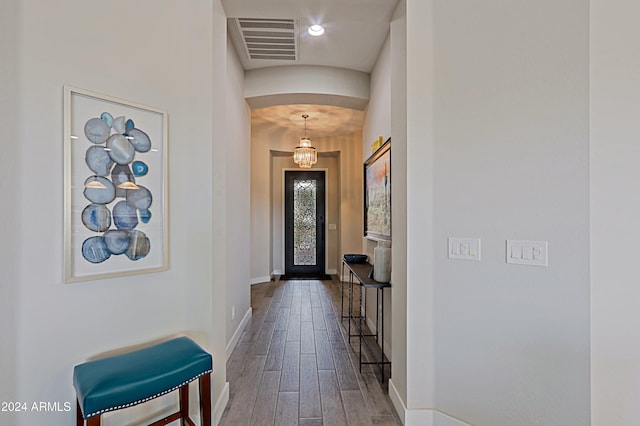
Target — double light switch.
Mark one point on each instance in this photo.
(522, 252)
(464, 248)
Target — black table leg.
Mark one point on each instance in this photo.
(342, 293)
(381, 337)
(360, 331)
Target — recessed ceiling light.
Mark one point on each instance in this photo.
(316, 30)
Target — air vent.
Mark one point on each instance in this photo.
(269, 38)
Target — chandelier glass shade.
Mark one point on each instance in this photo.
(305, 155)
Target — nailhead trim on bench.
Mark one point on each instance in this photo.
(119, 407)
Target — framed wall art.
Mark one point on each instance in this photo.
(115, 162)
(377, 194)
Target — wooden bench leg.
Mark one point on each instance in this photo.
(184, 404)
(79, 418)
(91, 421)
(205, 399)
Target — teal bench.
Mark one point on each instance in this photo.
(121, 381)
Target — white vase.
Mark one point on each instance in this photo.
(382, 263)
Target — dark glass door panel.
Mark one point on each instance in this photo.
(304, 222)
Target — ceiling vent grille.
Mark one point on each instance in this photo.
(269, 38)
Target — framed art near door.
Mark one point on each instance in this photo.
(115, 161)
(377, 194)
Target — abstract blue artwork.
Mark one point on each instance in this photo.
(115, 187)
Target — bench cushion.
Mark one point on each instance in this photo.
(121, 381)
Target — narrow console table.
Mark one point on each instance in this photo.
(359, 275)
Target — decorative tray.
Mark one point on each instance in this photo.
(355, 258)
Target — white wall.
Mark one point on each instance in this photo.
(10, 213)
(238, 198)
(159, 56)
(306, 84)
(615, 208)
(398, 114)
(220, 116)
(420, 145)
(510, 162)
(377, 124)
(377, 121)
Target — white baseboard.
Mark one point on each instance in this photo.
(428, 417)
(238, 333)
(441, 419)
(420, 417)
(394, 395)
(277, 272)
(259, 280)
(332, 272)
(221, 404)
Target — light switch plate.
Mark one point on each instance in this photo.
(524, 252)
(464, 248)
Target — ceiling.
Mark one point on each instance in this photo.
(323, 121)
(355, 31)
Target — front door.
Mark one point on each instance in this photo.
(304, 217)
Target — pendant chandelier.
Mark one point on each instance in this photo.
(305, 155)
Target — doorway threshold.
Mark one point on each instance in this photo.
(290, 277)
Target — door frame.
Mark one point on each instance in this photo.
(326, 210)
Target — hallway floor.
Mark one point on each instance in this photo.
(294, 366)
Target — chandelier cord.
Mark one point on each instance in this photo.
(305, 116)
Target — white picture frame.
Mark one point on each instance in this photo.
(116, 192)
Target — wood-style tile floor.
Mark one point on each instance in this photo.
(294, 366)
